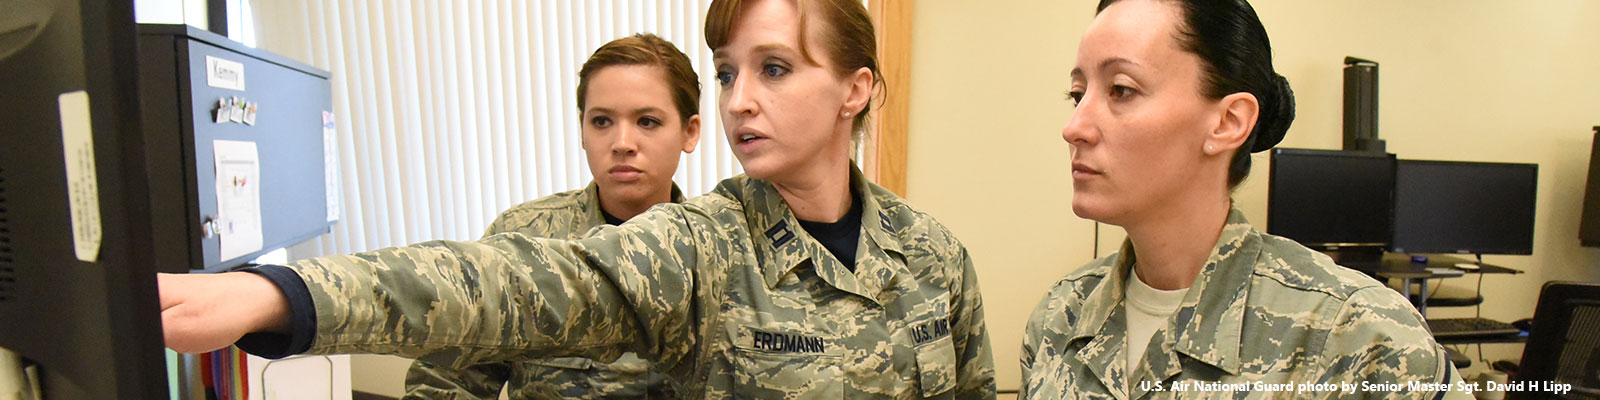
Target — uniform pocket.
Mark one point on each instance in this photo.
(774, 375)
(936, 366)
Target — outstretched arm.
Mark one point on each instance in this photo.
(505, 297)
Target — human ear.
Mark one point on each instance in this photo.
(861, 83)
(1236, 117)
(691, 134)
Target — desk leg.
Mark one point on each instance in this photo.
(1405, 287)
(1422, 298)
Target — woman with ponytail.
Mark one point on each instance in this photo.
(1171, 97)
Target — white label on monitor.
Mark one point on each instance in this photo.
(83, 185)
(224, 74)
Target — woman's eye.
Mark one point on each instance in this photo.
(1075, 96)
(648, 122)
(1121, 92)
(724, 78)
(600, 122)
(774, 70)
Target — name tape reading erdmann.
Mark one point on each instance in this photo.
(787, 342)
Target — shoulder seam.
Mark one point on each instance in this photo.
(1342, 296)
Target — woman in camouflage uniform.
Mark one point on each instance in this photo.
(800, 280)
(1171, 98)
(639, 100)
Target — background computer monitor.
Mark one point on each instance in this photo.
(88, 319)
(1589, 227)
(1331, 200)
(1464, 207)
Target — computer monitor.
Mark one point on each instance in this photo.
(1589, 226)
(77, 287)
(1464, 207)
(1332, 200)
(1564, 344)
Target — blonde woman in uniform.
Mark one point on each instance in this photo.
(800, 280)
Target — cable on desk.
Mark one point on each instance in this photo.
(1477, 310)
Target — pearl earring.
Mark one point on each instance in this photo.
(1211, 148)
(847, 114)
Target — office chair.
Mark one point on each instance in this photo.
(1564, 345)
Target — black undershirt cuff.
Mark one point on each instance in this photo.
(302, 317)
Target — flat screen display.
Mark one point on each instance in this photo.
(1464, 207)
(1328, 199)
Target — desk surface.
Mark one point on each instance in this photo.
(1400, 266)
(1521, 338)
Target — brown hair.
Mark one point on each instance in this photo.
(647, 49)
(847, 35)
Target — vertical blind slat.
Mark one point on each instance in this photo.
(449, 112)
(525, 103)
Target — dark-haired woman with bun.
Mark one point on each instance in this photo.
(1171, 97)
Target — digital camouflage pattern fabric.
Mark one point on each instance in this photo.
(566, 215)
(724, 292)
(1263, 310)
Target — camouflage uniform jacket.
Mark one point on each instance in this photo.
(723, 291)
(566, 215)
(1264, 309)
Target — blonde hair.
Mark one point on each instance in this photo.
(847, 36)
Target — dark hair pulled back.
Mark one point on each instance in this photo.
(1235, 56)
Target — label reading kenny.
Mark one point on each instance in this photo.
(83, 184)
(787, 342)
(224, 74)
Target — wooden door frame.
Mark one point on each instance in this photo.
(885, 144)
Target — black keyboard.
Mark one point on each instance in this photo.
(1444, 328)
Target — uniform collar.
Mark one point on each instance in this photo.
(1211, 318)
(1106, 297)
(1207, 324)
(782, 245)
(1103, 326)
(677, 195)
(589, 198)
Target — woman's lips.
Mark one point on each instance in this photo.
(625, 173)
(1083, 171)
(747, 143)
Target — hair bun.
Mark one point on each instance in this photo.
(1276, 116)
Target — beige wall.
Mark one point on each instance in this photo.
(1496, 81)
